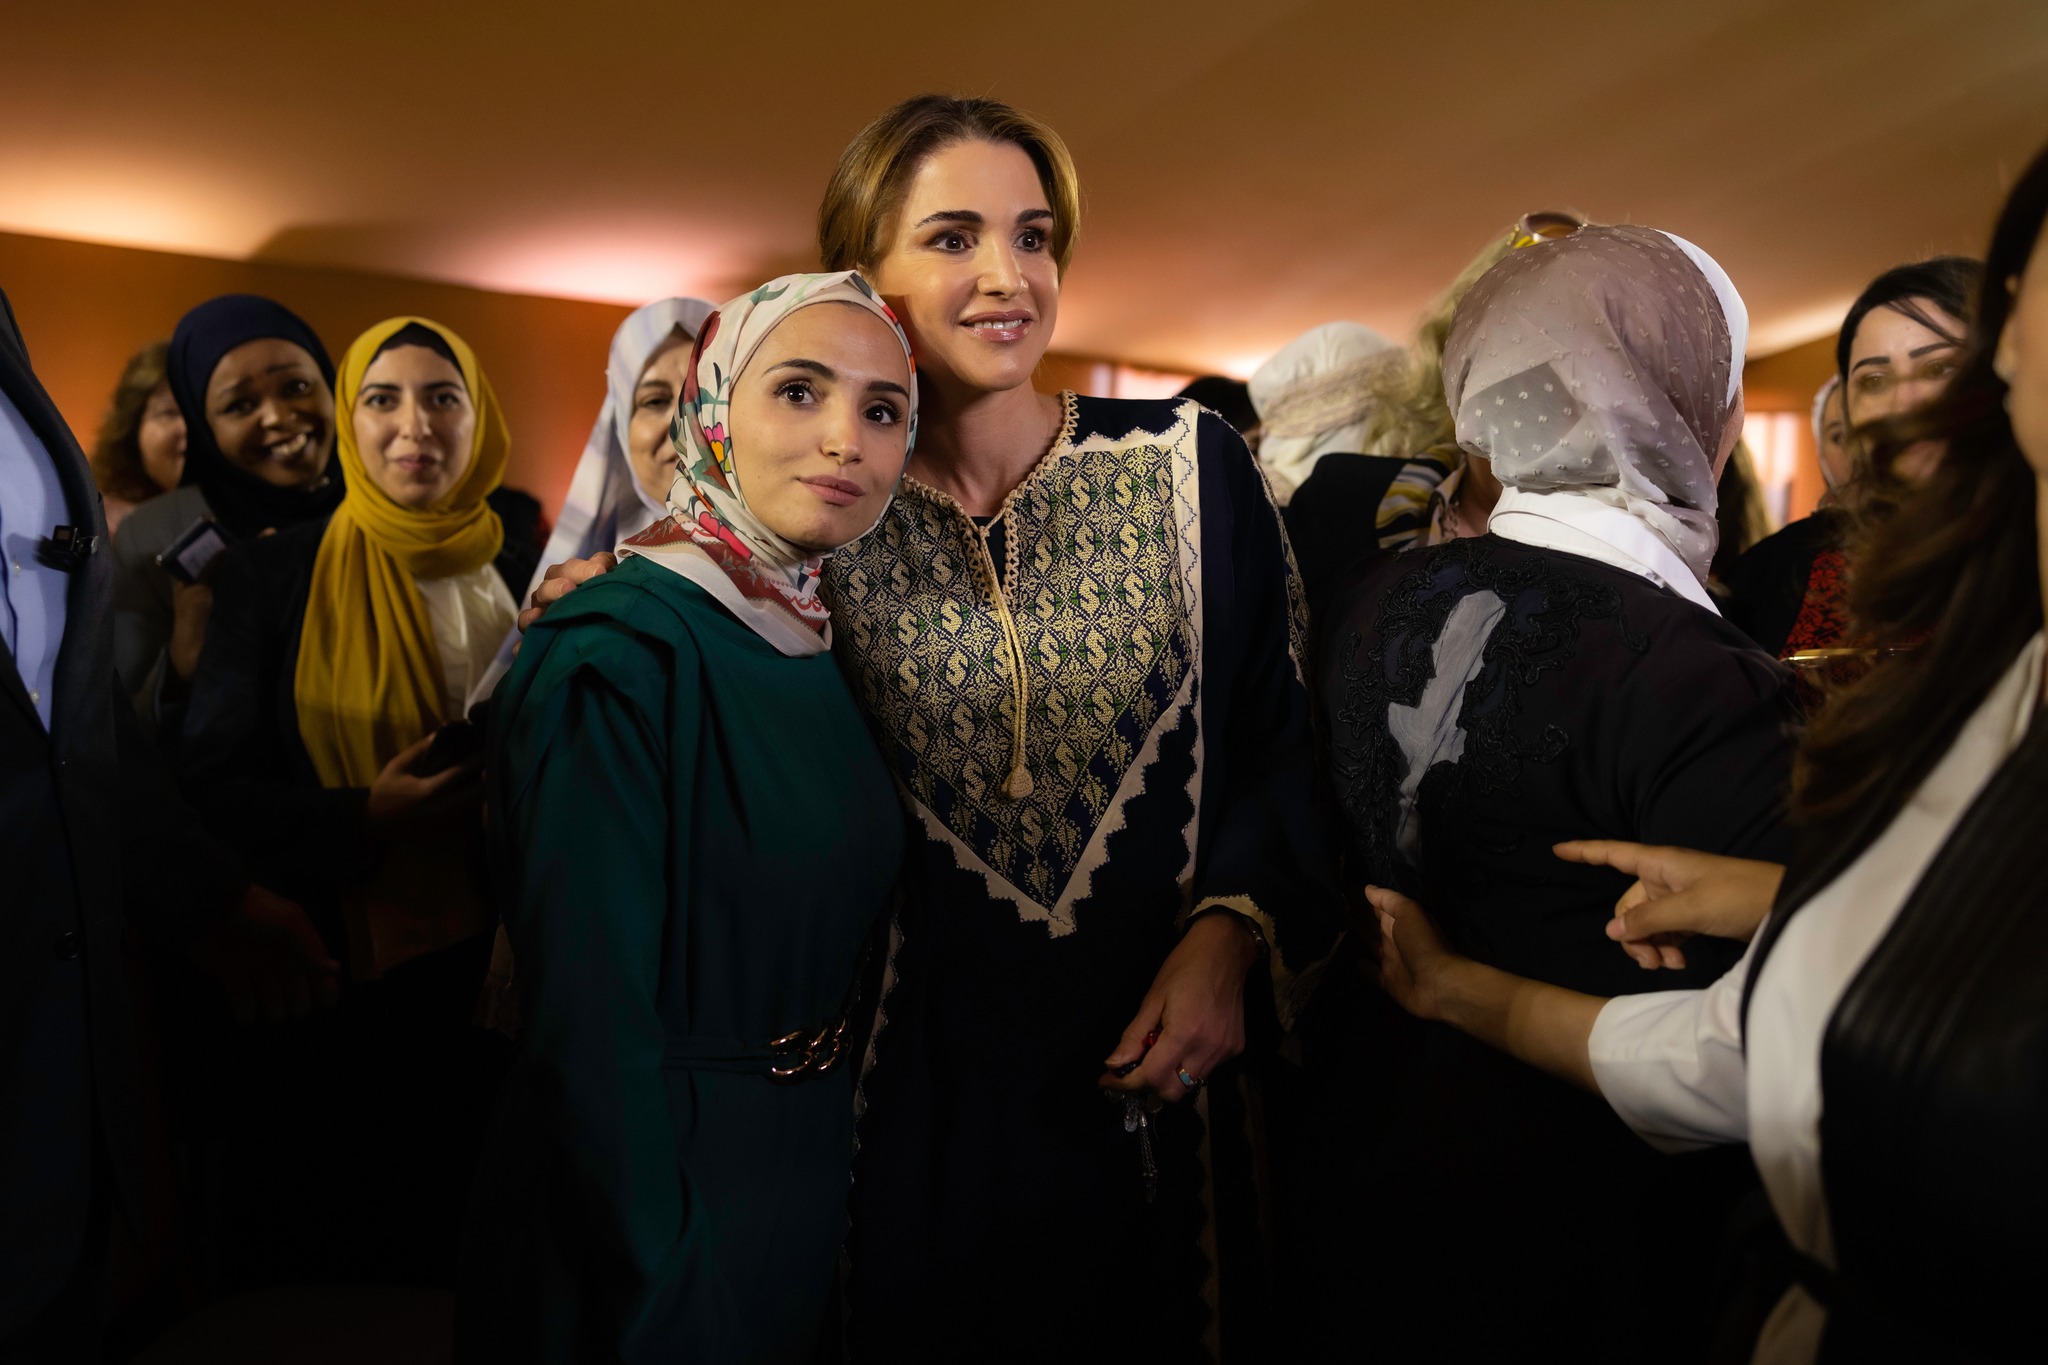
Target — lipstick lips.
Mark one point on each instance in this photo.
(838, 492)
(1009, 326)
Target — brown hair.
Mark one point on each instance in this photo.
(1946, 574)
(117, 450)
(868, 185)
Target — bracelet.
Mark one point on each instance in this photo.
(1251, 926)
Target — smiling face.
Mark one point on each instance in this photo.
(414, 424)
(967, 266)
(648, 447)
(271, 412)
(820, 422)
(160, 439)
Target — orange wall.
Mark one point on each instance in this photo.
(84, 309)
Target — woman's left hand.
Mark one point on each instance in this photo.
(1195, 1007)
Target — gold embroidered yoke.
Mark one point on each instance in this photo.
(1023, 704)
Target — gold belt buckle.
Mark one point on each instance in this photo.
(814, 1052)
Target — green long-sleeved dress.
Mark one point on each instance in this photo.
(694, 837)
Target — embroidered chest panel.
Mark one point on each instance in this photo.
(1105, 607)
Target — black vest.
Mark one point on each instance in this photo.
(1934, 1089)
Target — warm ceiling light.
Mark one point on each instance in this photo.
(133, 205)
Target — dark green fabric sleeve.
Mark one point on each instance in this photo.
(594, 760)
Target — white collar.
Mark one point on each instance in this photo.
(1583, 525)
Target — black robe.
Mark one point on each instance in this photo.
(1481, 701)
(998, 1207)
(371, 1114)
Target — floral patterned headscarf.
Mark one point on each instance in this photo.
(711, 536)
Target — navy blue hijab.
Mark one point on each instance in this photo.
(240, 501)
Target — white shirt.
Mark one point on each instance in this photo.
(469, 614)
(1592, 529)
(1671, 1062)
(33, 595)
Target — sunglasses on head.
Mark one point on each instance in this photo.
(1544, 225)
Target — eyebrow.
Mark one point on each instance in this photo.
(1930, 348)
(973, 219)
(430, 384)
(824, 371)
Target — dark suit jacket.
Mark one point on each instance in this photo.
(90, 826)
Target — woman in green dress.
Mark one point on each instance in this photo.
(695, 836)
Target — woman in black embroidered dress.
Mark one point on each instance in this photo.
(1077, 635)
(1563, 676)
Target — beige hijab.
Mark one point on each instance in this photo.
(1605, 364)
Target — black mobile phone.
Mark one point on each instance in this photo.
(187, 557)
(454, 743)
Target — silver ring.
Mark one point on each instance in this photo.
(1191, 1082)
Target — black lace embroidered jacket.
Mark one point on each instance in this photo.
(1479, 702)
(1135, 603)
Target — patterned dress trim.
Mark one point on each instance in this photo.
(1107, 619)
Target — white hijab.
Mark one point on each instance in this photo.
(606, 503)
(1313, 400)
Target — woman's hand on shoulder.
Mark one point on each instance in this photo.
(562, 579)
(1677, 893)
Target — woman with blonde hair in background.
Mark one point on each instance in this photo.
(1404, 472)
(140, 450)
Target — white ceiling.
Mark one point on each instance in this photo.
(1250, 169)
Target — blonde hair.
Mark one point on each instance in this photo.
(1408, 413)
(117, 451)
(868, 185)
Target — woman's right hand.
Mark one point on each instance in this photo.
(561, 579)
(1678, 892)
(404, 806)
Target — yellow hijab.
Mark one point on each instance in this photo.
(369, 677)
